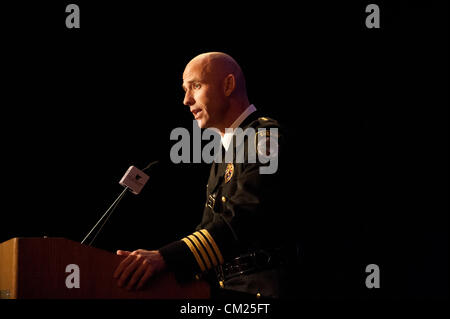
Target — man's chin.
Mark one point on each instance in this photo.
(202, 123)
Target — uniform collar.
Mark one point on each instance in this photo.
(226, 138)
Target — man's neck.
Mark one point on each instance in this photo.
(233, 113)
(226, 138)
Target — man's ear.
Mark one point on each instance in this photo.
(229, 84)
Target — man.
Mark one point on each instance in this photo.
(240, 244)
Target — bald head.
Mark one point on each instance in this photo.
(216, 66)
(215, 89)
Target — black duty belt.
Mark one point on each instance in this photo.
(245, 264)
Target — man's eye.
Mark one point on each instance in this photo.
(196, 85)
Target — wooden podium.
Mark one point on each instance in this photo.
(45, 268)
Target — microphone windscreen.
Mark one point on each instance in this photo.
(134, 179)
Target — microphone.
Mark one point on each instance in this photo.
(134, 180)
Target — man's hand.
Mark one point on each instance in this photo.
(138, 267)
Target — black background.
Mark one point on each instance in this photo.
(366, 111)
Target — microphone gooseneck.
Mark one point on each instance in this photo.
(150, 165)
(113, 206)
(106, 215)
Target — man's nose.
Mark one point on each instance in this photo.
(188, 99)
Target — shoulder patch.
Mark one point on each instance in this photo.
(264, 122)
(266, 143)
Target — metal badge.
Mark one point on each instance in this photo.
(229, 172)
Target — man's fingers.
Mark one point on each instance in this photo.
(137, 268)
(124, 263)
(128, 270)
(148, 273)
(138, 274)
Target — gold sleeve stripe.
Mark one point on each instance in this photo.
(213, 244)
(201, 250)
(208, 248)
(194, 252)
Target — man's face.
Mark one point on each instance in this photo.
(204, 95)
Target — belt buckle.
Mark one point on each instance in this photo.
(238, 266)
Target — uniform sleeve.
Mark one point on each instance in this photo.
(193, 255)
